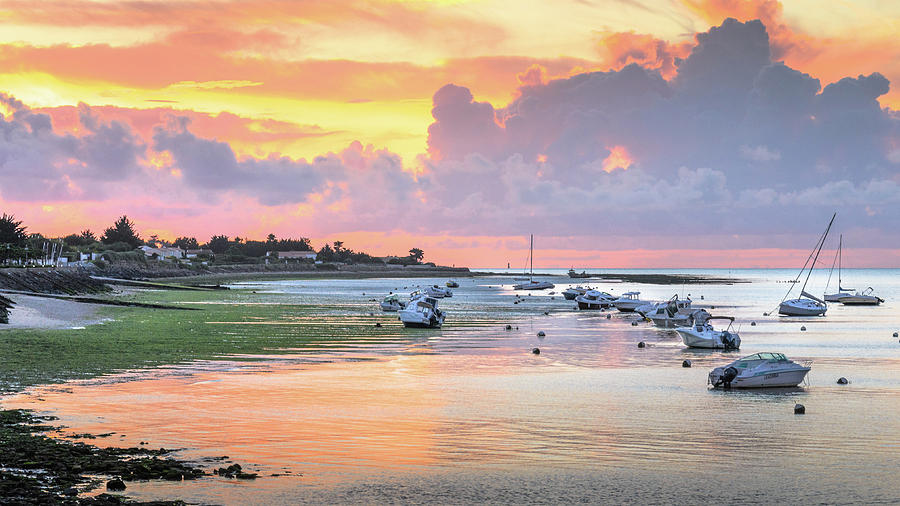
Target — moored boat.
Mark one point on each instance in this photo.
(574, 291)
(865, 298)
(807, 304)
(595, 299)
(576, 275)
(628, 302)
(701, 333)
(438, 292)
(422, 312)
(532, 284)
(760, 370)
(392, 303)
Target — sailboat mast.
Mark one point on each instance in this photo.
(531, 256)
(840, 260)
(818, 250)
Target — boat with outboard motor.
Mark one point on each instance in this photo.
(452, 284)
(865, 298)
(574, 291)
(392, 303)
(422, 312)
(701, 334)
(595, 299)
(438, 292)
(629, 301)
(760, 370)
(807, 304)
(670, 314)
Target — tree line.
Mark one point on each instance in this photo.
(122, 236)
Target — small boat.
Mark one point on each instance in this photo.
(392, 303)
(701, 333)
(629, 301)
(572, 292)
(865, 298)
(807, 304)
(672, 313)
(438, 292)
(674, 304)
(422, 312)
(452, 284)
(532, 284)
(760, 370)
(595, 299)
(575, 275)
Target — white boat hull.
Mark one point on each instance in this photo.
(780, 379)
(708, 340)
(534, 285)
(391, 307)
(417, 320)
(628, 307)
(802, 307)
(836, 297)
(861, 300)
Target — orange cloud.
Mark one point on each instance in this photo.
(622, 48)
(618, 159)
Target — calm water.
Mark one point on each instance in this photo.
(468, 414)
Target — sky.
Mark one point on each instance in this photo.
(621, 133)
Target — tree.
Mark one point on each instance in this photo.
(416, 254)
(271, 240)
(218, 244)
(88, 237)
(186, 243)
(153, 242)
(122, 231)
(11, 230)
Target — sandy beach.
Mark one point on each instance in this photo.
(32, 312)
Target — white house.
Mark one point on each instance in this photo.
(163, 252)
(308, 255)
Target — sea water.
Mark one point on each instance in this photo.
(469, 414)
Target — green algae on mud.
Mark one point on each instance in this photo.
(228, 326)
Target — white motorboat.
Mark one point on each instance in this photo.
(452, 284)
(595, 299)
(629, 301)
(701, 333)
(842, 292)
(532, 284)
(438, 292)
(760, 370)
(865, 298)
(673, 313)
(572, 292)
(807, 304)
(392, 303)
(422, 312)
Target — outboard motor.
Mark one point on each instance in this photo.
(728, 376)
(729, 341)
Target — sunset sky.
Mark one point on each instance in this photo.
(622, 133)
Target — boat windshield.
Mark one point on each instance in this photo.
(760, 357)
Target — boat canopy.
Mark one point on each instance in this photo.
(392, 297)
(778, 357)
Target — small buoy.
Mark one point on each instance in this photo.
(509, 327)
(752, 324)
(765, 314)
(712, 307)
(536, 351)
(364, 293)
(541, 333)
(634, 324)
(799, 409)
(803, 328)
(895, 334)
(608, 316)
(546, 313)
(517, 327)
(378, 324)
(843, 381)
(642, 344)
(575, 308)
(552, 298)
(701, 297)
(686, 363)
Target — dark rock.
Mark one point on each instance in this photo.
(799, 409)
(115, 485)
(752, 324)
(536, 351)
(895, 334)
(686, 363)
(765, 314)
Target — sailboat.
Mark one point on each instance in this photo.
(532, 284)
(807, 304)
(842, 292)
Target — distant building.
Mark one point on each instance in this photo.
(307, 255)
(194, 253)
(163, 252)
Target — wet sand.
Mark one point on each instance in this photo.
(32, 312)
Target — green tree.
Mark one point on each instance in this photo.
(218, 244)
(122, 231)
(338, 245)
(88, 237)
(186, 243)
(416, 254)
(11, 230)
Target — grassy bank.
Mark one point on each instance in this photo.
(229, 322)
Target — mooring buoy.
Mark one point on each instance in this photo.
(536, 351)
(843, 381)
(799, 409)
(642, 344)
(541, 333)
(686, 363)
